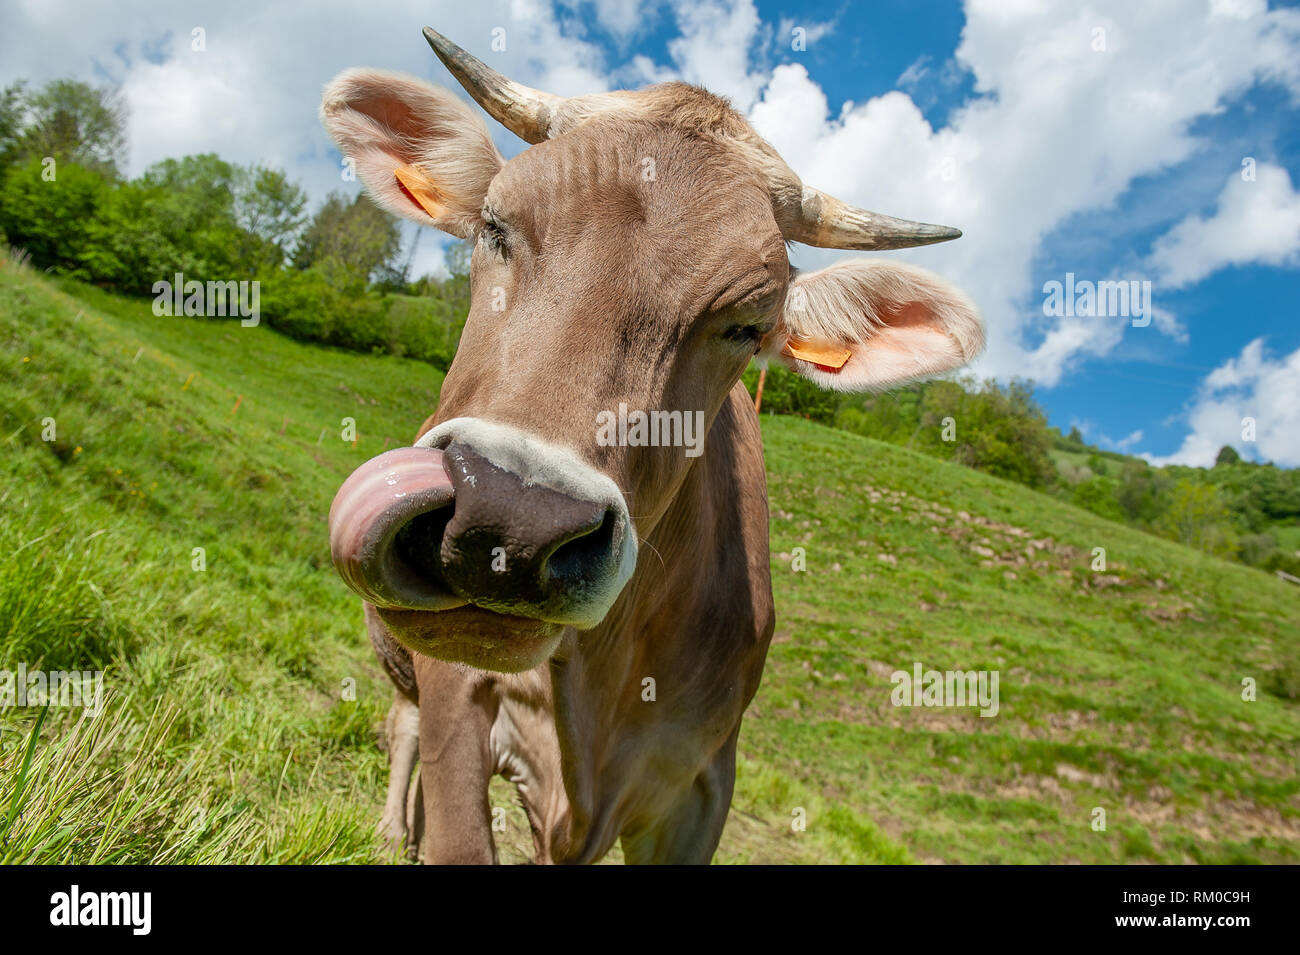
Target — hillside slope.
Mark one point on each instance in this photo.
(230, 734)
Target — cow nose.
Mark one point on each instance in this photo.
(518, 547)
(505, 522)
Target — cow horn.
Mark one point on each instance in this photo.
(825, 221)
(816, 219)
(524, 111)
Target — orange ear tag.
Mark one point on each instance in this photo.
(824, 356)
(420, 188)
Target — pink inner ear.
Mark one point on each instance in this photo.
(910, 315)
(391, 112)
(899, 322)
(893, 356)
(389, 123)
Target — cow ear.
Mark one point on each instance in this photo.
(867, 324)
(420, 152)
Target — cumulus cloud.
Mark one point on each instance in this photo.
(715, 46)
(251, 93)
(1256, 220)
(1072, 106)
(622, 18)
(1250, 395)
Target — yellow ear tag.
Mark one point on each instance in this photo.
(420, 188)
(827, 356)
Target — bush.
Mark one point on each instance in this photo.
(1142, 493)
(1197, 516)
(306, 306)
(53, 219)
(1255, 549)
(784, 392)
(1097, 494)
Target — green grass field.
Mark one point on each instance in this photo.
(229, 735)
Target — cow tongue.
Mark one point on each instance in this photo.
(376, 501)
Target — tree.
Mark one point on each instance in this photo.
(784, 392)
(53, 221)
(348, 242)
(1142, 492)
(74, 122)
(11, 122)
(1227, 455)
(1097, 494)
(1197, 516)
(1000, 430)
(269, 207)
(190, 203)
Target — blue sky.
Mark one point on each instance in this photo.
(1104, 139)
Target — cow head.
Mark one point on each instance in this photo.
(633, 258)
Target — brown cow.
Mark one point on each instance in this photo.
(590, 609)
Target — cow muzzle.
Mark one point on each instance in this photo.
(483, 516)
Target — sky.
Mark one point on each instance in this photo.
(1152, 143)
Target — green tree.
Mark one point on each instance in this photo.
(1143, 492)
(53, 219)
(1097, 494)
(74, 122)
(269, 207)
(1227, 455)
(11, 122)
(1000, 430)
(190, 204)
(1198, 516)
(784, 392)
(348, 242)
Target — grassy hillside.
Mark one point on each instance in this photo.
(228, 737)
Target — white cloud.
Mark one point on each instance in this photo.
(786, 38)
(1124, 443)
(715, 46)
(622, 18)
(1255, 221)
(1252, 385)
(1168, 324)
(916, 71)
(252, 94)
(1058, 129)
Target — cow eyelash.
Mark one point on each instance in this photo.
(492, 235)
(751, 334)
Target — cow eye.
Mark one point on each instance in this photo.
(749, 334)
(493, 236)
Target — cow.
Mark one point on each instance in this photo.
(581, 612)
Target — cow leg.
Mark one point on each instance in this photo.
(688, 833)
(402, 728)
(415, 817)
(457, 709)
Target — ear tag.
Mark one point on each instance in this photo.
(826, 356)
(420, 188)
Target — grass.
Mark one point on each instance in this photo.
(243, 704)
